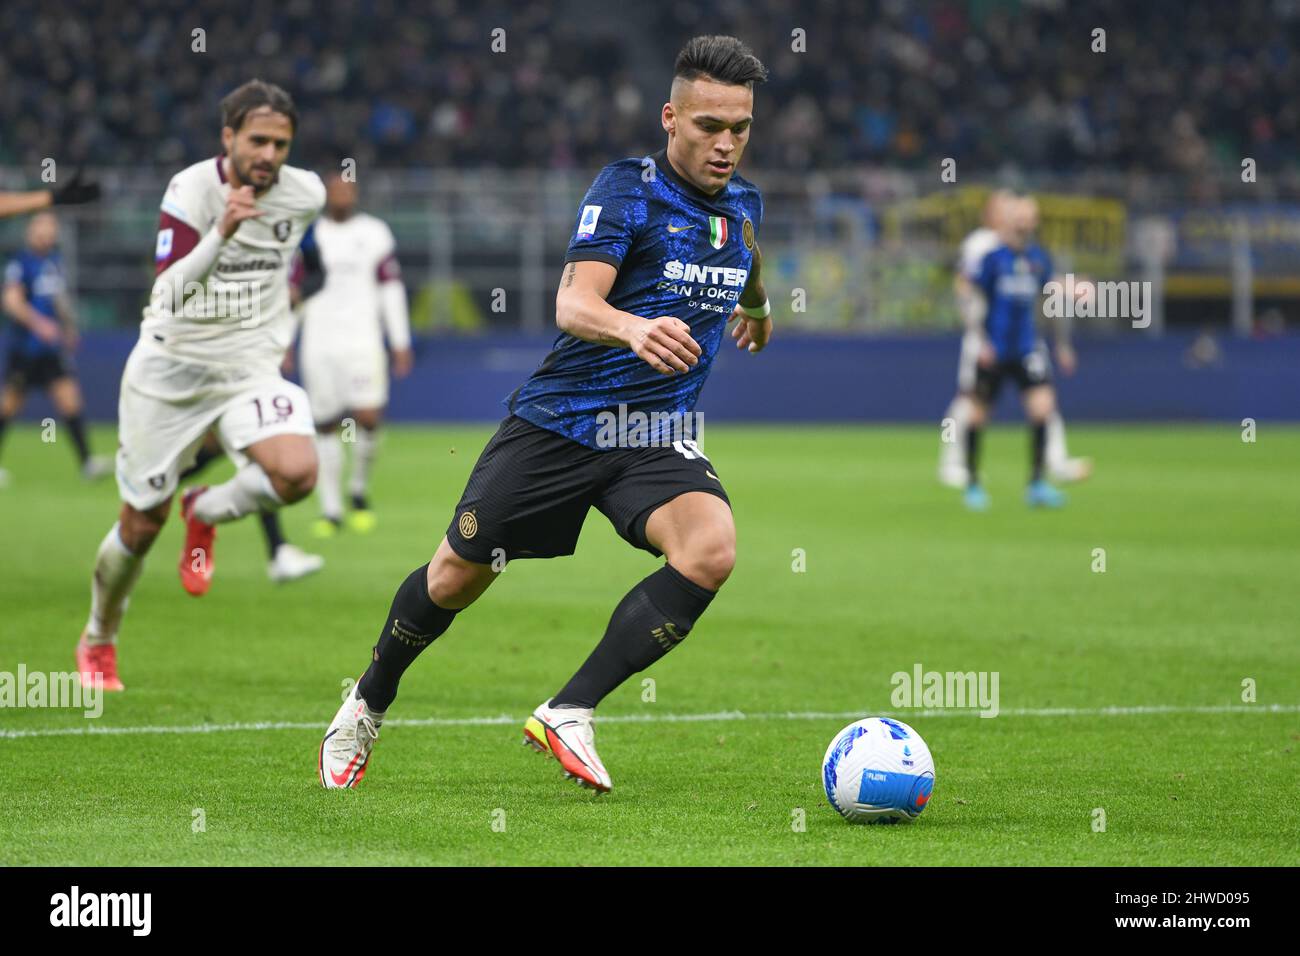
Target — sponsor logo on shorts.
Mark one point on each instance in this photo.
(156, 482)
(467, 525)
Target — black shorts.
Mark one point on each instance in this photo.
(1030, 370)
(531, 489)
(35, 371)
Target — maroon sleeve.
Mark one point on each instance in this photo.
(297, 271)
(388, 269)
(176, 240)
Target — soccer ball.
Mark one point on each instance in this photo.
(878, 770)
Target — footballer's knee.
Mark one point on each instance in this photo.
(708, 558)
(455, 583)
(139, 529)
(293, 480)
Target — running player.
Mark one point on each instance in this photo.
(214, 333)
(663, 255)
(972, 306)
(1011, 279)
(342, 350)
(42, 338)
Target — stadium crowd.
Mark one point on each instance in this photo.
(888, 82)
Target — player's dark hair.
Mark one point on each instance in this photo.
(721, 58)
(255, 94)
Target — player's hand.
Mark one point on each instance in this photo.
(1066, 358)
(47, 330)
(75, 191)
(665, 344)
(403, 362)
(239, 206)
(752, 334)
(988, 355)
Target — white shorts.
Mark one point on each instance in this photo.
(341, 380)
(968, 364)
(168, 405)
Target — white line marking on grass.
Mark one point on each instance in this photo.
(718, 716)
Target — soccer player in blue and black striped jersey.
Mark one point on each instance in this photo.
(1011, 278)
(663, 255)
(42, 337)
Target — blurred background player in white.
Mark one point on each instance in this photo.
(972, 307)
(344, 366)
(214, 333)
(42, 338)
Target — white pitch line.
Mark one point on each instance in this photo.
(718, 716)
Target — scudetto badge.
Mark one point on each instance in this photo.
(468, 525)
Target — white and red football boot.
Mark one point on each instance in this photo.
(345, 751)
(566, 734)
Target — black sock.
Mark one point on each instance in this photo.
(271, 528)
(1038, 447)
(650, 621)
(359, 503)
(78, 429)
(972, 455)
(413, 623)
(205, 457)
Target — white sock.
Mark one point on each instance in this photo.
(953, 454)
(1055, 452)
(363, 457)
(250, 490)
(329, 474)
(116, 571)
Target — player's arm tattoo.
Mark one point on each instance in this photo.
(568, 276)
(753, 295)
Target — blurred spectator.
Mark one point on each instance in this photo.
(1186, 86)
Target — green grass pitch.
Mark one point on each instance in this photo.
(1199, 594)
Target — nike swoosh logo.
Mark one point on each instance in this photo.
(672, 228)
(341, 779)
(712, 475)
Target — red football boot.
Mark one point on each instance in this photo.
(97, 664)
(196, 556)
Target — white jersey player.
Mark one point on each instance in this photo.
(342, 356)
(213, 336)
(972, 307)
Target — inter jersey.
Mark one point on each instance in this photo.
(1012, 281)
(42, 280)
(679, 252)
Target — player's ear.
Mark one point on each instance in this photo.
(668, 117)
(227, 138)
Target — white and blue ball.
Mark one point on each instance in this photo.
(878, 770)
